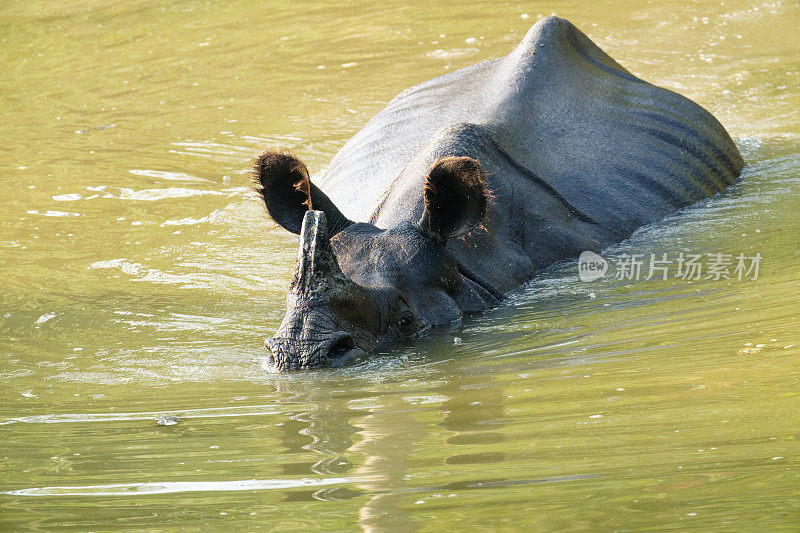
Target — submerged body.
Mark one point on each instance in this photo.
(465, 185)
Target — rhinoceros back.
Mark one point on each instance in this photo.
(613, 146)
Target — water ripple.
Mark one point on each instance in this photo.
(171, 487)
(211, 412)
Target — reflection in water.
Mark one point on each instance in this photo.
(388, 429)
(324, 430)
(387, 433)
(389, 436)
(475, 412)
(294, 441)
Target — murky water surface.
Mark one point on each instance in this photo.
(139, 279)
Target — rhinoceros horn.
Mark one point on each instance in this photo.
(317, 268)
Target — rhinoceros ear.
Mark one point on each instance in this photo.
(283, 182)
(455, 198)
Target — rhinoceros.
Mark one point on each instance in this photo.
(467, 184)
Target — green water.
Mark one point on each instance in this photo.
(139, 279)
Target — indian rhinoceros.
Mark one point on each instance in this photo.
(466, 184)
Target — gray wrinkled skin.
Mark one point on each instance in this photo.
(313, 334)
(395, 284)
(466, 184)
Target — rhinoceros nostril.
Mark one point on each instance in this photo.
(340, 349)
(341, 345)
(336, 350)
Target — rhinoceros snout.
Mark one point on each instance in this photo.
(290, 354)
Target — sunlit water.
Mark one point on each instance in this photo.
(139, 279)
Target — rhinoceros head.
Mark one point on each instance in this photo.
(357, 287)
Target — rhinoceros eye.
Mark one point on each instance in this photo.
(406, 325)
